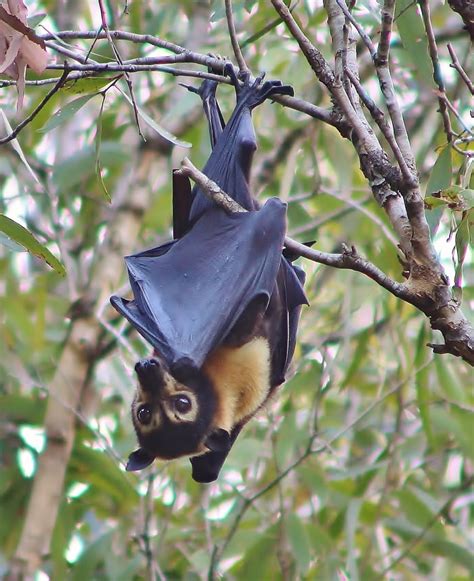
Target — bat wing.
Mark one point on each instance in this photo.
(188, 294)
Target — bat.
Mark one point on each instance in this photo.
(219, 304)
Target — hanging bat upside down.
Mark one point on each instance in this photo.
(220, 303)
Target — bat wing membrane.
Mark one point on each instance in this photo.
(188, 294)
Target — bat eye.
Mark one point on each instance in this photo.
(144, 415)
(182, 404)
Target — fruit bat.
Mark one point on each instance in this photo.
(219, 304)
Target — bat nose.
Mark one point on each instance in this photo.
(150, 373)
(146, 364)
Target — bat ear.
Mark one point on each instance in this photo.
(218, 441)
(138, 460)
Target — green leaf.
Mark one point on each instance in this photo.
(8, 243)
(158, 128)
(65, 113)
(22, 409)
(75, 169)
(455, 423)
(455, 197)
(423, 391)
(22, 236)
(358, 357)
(440, 178)
(35, 19)
(462, 242)
(88, 85)
(417, 512)
(299, 542)
(413, 37)
(449, 385)
(434, 202)
(352, 521)
(104, 474)
(260, 560)
(456, 553)
(98, 142)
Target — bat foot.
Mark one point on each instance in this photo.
(254, 92)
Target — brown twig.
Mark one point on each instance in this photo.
(239, 57)
(437, 75)
(364, 36)
(183, 55)
(76, 75)
(37, 109)
(118, 57)
(462, 73)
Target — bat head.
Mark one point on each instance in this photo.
(173, 413)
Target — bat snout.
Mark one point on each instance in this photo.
(150, 374)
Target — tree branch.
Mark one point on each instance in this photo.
(239, 57)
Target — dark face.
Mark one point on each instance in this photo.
(171, 418)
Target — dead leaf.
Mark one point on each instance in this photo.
(20, 46)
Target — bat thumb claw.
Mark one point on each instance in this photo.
(190, 88)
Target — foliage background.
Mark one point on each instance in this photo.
(382, 489)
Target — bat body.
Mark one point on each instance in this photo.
(220, 305)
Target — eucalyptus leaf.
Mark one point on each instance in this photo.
(23, 237)
(66, 113)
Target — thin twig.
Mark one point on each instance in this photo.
(74, 76)
(37, 109)
(239, 57)
(153, 568)
(182, 55)
(118, 57)
(121, 35)
(462, 73)
(437, 75)
(365, 37)
(72, 54)
(334, 216)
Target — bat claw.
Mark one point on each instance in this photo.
(259, 79)
(244, 76)
(229, 71)
(190, 88)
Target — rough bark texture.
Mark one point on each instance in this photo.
(465, 8)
